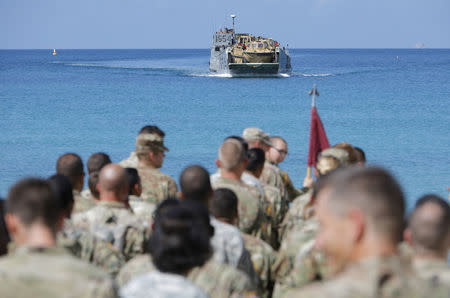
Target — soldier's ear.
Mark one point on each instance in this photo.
(180, 195)
(407, 236)
(11, 222)
(218, 163)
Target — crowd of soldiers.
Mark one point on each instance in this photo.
(243, 231)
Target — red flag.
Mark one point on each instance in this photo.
(317, 138)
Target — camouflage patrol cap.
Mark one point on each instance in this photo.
(340, 154)
(256, 134)
(149, 142)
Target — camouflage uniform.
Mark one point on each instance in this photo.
(89, 248)
(263, 257)
(142, 209)
(296, 214)
(156, 186)
(292, 192)
(276, 209)
(251, 216)
(115, 223)
(373, 277)
(81, 204)
(229, 248)
(215, 278)
(86, 194)
(272, 176)
(131, 161)
(162, 285)
(51, 272)
(299, 241)
(435, 270)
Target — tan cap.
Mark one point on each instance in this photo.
(340, 154)
(149, 142)
(256, 134)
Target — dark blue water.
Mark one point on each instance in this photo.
(86, 101)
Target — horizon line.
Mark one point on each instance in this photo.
(25, 49)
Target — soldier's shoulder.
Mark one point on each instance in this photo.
(136, 266)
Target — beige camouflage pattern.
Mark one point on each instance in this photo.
(81, 204)
(215, 278)
(251, 214)
(156, 186)
(292, 192)
(374, 277)
(85, 246)
(276, 210)
(161, 285)
(131, 161)
(263, 257)
(435, 270)
(51, 273)
(143, 210)
(115, 223)
(299, 240)
(272, 176)
(296, 215)
(86, 194)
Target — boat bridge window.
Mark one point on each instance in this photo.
(266, 45)
(260, 45)
(217, 49)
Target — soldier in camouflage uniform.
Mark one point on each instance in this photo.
(276, 155)
(71, 166)
(275, 207)
(231, 162)
(156, 186)
(112, 220)
(141, 208)
(350, 204)
(132, 161)
(80, 242)
(95, 163)
(37, 268)
(256, 138)
(428, 233)
(224, 207)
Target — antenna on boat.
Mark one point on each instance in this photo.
(233, 16)
(314, 93)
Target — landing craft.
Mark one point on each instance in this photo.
(242, 54)
(54, 52)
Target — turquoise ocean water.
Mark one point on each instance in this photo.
(86, 101)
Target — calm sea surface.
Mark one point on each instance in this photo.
(86, 101)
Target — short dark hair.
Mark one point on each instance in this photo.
(224, 204)
(181, 238)
(62, 190)
(152, 129)
(133, 178)
(195, 184)
(32, 200)
(97, 161)
(93, 180)
(373, 191)
(430, 232)
(360, 155)
(241, 140)
(71, 166)
(256, 159)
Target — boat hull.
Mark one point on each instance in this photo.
(253, 68)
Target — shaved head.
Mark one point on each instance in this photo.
(429, 224)
(113, 178)
(231, 154)
(372, 191)
(195, 184)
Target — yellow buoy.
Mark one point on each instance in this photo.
(54, 52)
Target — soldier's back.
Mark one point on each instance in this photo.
(296, 214)
(138, 265)
(156, 186)
(51, 272)
(435, 270)
(250, 210)
(271, 175)
(113, 222)
(81, 203)
(374, 277)
(131, 161)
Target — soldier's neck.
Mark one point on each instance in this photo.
(230, 175)
(374, 247)
(146, 164)
(37, 235)
(425, 254)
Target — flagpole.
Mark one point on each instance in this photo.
(313, 94)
